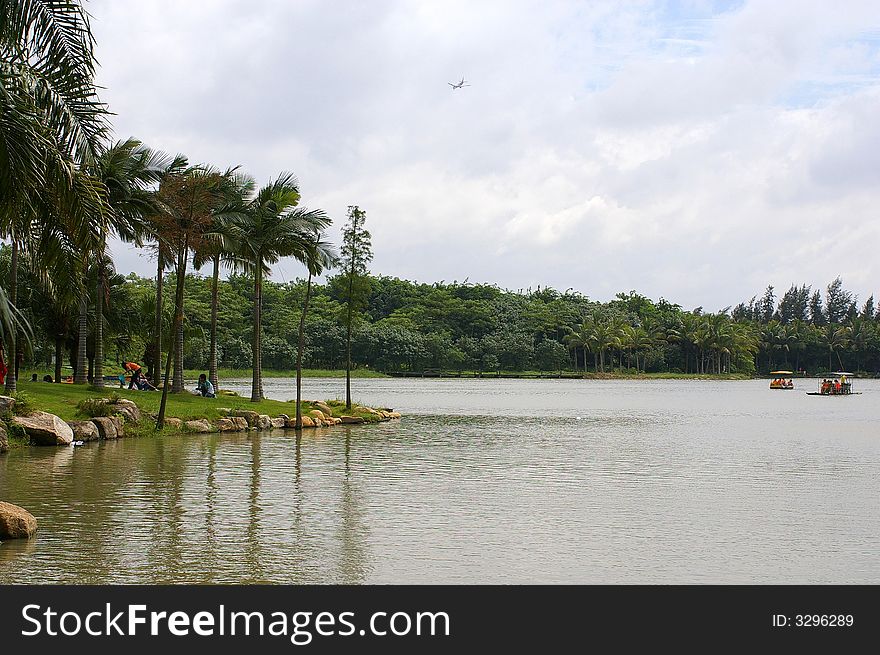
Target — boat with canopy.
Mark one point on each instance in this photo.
(781, 380)
(841, 386)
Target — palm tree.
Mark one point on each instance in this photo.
(834, 338)
(319, 256)
(271, 226)
(189, 199)
(51, 125)
(128, 170)
(217, 248)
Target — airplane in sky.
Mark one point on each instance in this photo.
(459, 85)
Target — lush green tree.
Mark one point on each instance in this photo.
(356, 253)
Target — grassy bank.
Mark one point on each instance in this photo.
(62, 400)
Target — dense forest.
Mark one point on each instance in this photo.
(408, 326)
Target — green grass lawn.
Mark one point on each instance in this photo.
(62, 399)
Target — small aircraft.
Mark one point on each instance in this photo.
(460, 84)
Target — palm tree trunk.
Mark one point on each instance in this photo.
(59, 355)
(98, 375)
(11, 386)
(212, 362)
(178, 320)
(257, 382)
(80, 374)
(157, 339)
(177, 377)
(299, 353)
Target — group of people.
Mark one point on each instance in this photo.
(782, 382)
(834, 386)
(140, 382)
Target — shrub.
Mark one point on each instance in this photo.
(92, 407)
(23, 404)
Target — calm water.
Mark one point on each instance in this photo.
(482, 481)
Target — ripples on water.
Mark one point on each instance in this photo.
(482, 481)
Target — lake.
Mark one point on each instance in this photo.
(481, 481)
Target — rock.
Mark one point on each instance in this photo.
(240, 424)
(45, 429)
(224, 411)
(6, 404)
(128, 409)
(4, 440)
(173, 423)
(106, 427)
(264, 422)
(324, 407)
(278, 422)
(201, 426)
(307, 422)
(393, 414)
(16, 522)
(252, 418)
(118, 423)
(226, 425)
(354, 420)
(84, 431)
(318, 414)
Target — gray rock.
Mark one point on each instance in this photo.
(6, 404)
(16, 522)
(252, 418)
(45, 429)
(106, 427)
(128, 409)
(201, 426)
(4, 440)
(278, 422)
(354, 420)
(84, 430)
(264, 422)
(173, 423)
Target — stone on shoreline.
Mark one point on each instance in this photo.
(173, 423)
(318, 414)
(45, 429)
(278, 422)
(4, 440)
(16, 522)
(252, 418)
(201, 426)
(106, 427)
(6, 404)
(352, 420)
(324, 408)
(128, 409)
(264, 422)
(84, 430)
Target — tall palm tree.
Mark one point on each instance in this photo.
(270, 227)
(319, 256)
(217, 248)
(189, 199)
(51, 125)
(128, 170)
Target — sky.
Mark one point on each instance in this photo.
(696, 151)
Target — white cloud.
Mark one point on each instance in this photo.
(696, 155)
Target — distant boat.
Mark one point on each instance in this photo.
(783, 381)
(842, 386)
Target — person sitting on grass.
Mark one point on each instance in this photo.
(143, 384)
(204, 387)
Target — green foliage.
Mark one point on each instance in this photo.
(92, 407)
(24, 404)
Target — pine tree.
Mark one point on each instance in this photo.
(356, 254)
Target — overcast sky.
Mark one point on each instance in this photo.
(696, 151)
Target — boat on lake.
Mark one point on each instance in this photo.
(782, 380)
(842, 386)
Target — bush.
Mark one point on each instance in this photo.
(23, 404)
(92, 407)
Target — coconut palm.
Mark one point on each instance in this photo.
(188, 199)
(217, 248)
(271, 226)
(319, 256)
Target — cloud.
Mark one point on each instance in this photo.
(697, 153)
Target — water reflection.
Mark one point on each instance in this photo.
(667, 483)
